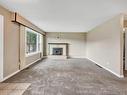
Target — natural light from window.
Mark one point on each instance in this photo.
(33, 42)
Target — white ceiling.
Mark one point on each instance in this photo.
(66, 15)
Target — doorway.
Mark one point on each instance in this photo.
(1, 46)
(125, 53)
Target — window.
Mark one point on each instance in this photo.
(39, 42)
(33, 41)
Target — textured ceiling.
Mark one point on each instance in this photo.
(66, 15)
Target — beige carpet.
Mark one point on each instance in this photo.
(69, 77)
(13, 88)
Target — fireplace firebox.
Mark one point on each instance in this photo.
(57, 51)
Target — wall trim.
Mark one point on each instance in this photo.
(69, 56)
(7, 77)
(1, 46)
(120, 76)
(45, 57)
(77, 56)
(31, 64)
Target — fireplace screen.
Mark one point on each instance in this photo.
(57, 51)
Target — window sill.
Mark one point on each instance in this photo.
(31, 54)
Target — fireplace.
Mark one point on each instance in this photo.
(57, 51)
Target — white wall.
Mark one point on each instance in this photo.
(76, 41)
(105, 45)
(1, 47)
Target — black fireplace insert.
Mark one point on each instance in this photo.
(57, 51)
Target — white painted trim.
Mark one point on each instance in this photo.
(31, 64)
(70, 56)
(10, 76)
(17, 71)
(77, 56)
(1, 46)
(31, 54)
(45, 57)
(38, 34)
(57, 57)
(120, 76)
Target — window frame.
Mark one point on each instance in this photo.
(38, 34)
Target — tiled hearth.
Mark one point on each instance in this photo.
(58, 50)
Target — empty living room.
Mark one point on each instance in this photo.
(63, 47)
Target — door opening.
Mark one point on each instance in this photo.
(1, 46)
(125, 53)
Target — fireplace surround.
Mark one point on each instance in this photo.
(58, 50)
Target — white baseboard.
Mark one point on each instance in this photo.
(57, 57)
(10, 76)
(70, 57)
(120, 76)
(77, 56)
(18, 71)
(45, 56)
(30, 64)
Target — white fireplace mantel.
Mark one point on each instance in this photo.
(64, 47)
